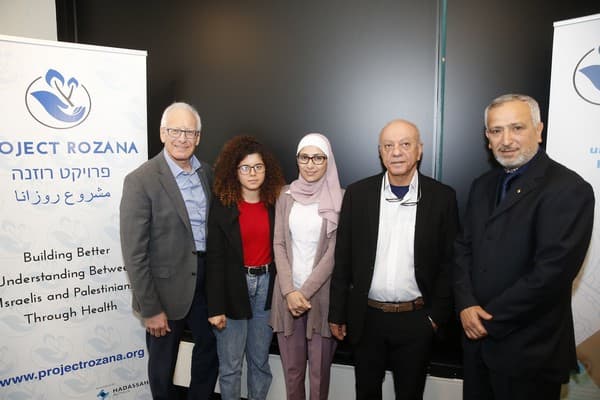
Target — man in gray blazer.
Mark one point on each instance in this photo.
(163, 238)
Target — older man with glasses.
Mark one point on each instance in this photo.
(390, 289)
(163, 237)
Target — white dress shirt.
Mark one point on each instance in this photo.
(394, 275)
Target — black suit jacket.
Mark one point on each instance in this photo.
(435, 230)
(518, 260)
(226, 288)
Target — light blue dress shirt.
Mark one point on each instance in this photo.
(194, 198)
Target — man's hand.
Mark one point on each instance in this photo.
(218, 321)
(471, 318)
(157, 325)
(338, 330)
(297, 303)
(433, 324)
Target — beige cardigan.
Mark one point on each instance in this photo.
(315, 288)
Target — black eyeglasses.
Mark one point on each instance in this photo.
(176, 133)
(400, 200)
(405, 203)
(258, 169)
(317, 159)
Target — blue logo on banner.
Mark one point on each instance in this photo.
(586, 77)
(102, 394)
(57, 102)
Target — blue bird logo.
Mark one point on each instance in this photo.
(586, 77)
(58, 102)
(592, 72)
(103, 394)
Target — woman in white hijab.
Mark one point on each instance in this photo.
(306, 220)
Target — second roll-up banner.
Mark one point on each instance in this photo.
(573, 126)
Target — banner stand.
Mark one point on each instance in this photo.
(74, 123)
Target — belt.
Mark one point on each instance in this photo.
(403, 306)
(200, 253)
(258, 270)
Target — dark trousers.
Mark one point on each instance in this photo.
(401, 341)
(481, 383)
(162, 351)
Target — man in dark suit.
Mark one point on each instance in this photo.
(163, 237)
(390, 289)
(527, 229)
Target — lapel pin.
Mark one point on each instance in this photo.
(518, 190)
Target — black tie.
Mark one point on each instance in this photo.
(506, 181)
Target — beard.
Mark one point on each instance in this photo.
(515, 162)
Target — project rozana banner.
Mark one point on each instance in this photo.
(73, 124)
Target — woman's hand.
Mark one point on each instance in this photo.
(218, 321)
(297, 303)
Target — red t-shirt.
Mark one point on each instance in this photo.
(256, 233)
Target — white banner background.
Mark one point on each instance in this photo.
(71, 335)
(574, 140)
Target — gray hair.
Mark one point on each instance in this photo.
(182, 106)
(534, 107)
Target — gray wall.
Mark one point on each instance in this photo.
(28, 18)
(280, 69)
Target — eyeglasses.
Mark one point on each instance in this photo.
(317, 159)
(176, 133)
(258, 169)
(405, 203)
(395, 199)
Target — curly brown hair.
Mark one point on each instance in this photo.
(227, 187)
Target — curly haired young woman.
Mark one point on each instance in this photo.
(240, 270)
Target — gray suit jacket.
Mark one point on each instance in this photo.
(157, 241)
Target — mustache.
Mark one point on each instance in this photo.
(506, 148)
